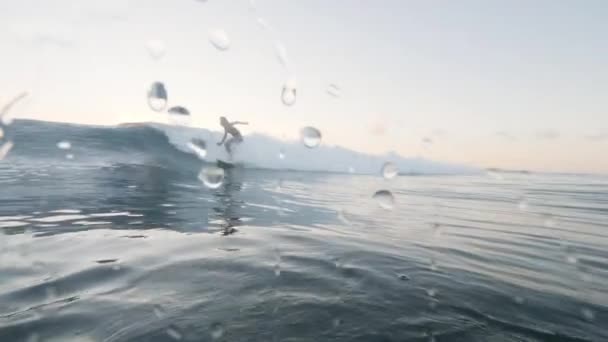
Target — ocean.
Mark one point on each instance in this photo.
(107, 234)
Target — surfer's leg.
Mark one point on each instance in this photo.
(228, 146)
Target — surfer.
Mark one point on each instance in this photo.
(230, 129)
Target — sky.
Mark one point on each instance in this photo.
(512, 84)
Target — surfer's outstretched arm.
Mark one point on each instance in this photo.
(223, 139)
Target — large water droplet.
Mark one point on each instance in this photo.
(588, 314)
(217, 331)
(311, 137)
(333, 90)
(159, 312)
(199, 146)
(219, 39)
(5, 149)
(385, 199)
(179, 115)
(157, 97)
(389, 170)
(64, 145)
(288, 93)
(212, 176)
(174, 333)
(156, 48)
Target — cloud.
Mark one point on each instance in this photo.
(378, 129)
(597, 137)
(547, 135)
(506, 135)
(438, 132)
(53, 40)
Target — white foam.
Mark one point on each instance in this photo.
(59, 218)
(263, 152)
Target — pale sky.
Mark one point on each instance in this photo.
(514, 83)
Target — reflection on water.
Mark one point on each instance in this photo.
(138, 253)
(228, 206)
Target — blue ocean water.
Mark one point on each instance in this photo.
(116, 239)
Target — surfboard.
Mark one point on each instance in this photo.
(225, 165)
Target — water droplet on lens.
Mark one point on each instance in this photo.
(5, 149)
(404, 277)
(219, 39)
(199, 147)
(217, 331)
(157, 97)
(333, 90)
(549, 222)
(495, 175)
(437, 231)
(263, 23)
(174, 333)
(586, 277)
(288, 93)
(588, 314)
(342, 216)
(522, 204)
(571, 259)
(33, 338)
(159, 312)
(389, 170)
(51, 293)
(385, 199)
(156, 48)
(179, 115)
(281, 53)
(311, 137)
(64, 145)
(212, 176)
